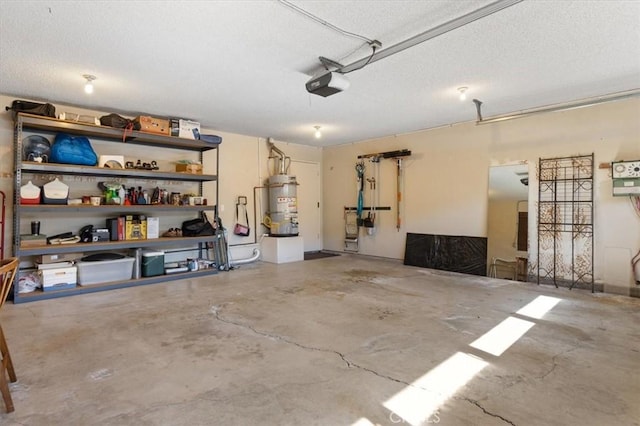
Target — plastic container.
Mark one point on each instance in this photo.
(152, 263)
(104, 271)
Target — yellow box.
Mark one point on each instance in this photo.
(135, 227)
(194, 169)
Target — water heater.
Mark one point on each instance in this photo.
(283, 206)
(283, 200)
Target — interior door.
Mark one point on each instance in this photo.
(310, 225)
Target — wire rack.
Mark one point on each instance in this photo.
(565, 221)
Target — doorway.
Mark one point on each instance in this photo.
(308, 192)
(507, 228)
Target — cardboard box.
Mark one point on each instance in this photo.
(59, 257)
(135, 227)
(196, 201)
(174, 124)
(153, 125)
(153, 227)
(195, 169)
(58, 278)
(184, 128)
(187, 128)
(28, 240)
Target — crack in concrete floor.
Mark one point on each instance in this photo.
(216, 311)
(484, 410)
(555, 363)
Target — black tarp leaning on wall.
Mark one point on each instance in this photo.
(467, 255)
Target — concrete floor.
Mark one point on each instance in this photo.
(324, 342)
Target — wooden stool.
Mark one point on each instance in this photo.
(8, 269)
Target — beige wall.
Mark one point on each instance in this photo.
(446, 179)
(445, 188)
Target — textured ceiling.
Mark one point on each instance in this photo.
(241, 66)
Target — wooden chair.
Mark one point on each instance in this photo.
(8, 270)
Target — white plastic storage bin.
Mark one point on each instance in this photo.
(105, 271)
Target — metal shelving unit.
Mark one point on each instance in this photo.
(32, 297)
(113, 245)
(138, 208)
(50, 125)
(565, 221)
(59, 169)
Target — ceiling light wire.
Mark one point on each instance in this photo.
(434, 32)
(373, 48)
(323, 22)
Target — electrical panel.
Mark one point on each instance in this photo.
(625, 169)
(626, 178)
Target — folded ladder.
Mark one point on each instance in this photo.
(351, 231)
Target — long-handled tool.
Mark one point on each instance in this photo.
(397, 155)
(399, 190)
(360, 173)
(369, 221)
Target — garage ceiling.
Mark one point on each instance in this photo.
(241, 66)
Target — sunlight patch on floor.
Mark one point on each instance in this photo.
(416, 403)
(502, 336)
(539, 306)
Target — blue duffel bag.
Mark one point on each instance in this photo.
(69, 149)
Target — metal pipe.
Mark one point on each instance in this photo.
(283, 168)
(255, 214)
(272, 147)
(256, 256)
(432, 33)
(558, 107)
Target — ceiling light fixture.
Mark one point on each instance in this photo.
(463, 93)
(318, 133)
(88, 87)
